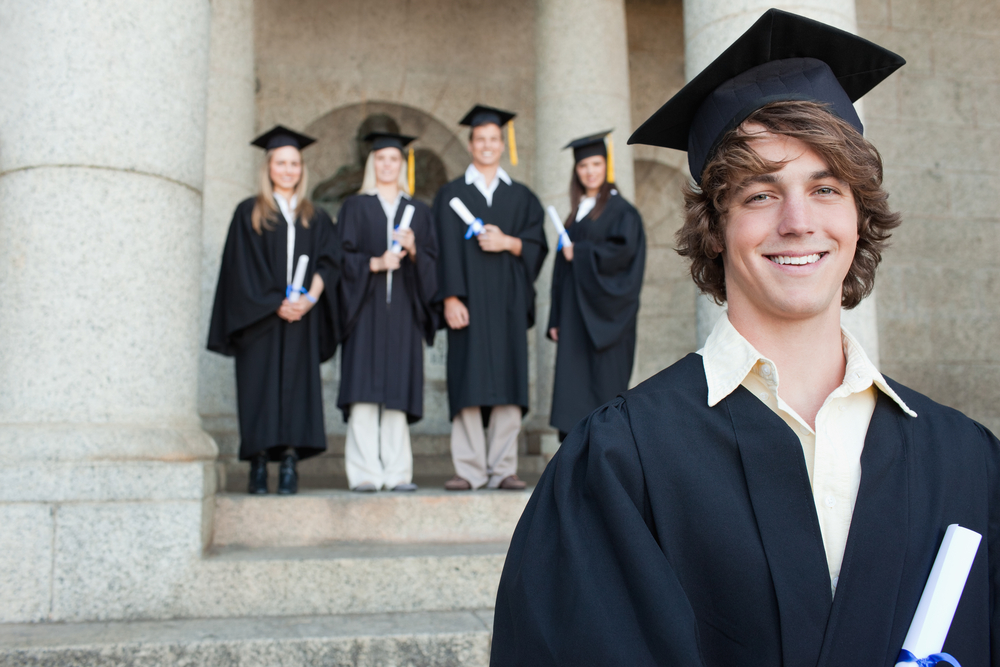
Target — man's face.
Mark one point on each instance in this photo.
(790, 236)
(486, 145)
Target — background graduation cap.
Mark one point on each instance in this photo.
(592, 145)
(380, 140)
(279, 136)
(482, 115)
(782, 56)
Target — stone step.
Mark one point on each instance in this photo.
(343, 578)
(318, 517)
(327, 471)
(445, 638)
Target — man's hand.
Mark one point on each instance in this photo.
(567, 251)
(388, 261)
(293, 312)
(407, 240)
(455, 313)
(492, 239)
(554, 334)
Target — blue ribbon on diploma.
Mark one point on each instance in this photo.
(931, 660)
(475, 228)
(290, 289)
(563, 240)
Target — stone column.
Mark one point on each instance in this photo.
(581, 87)
(710, 27)
(230, 175)
(106, 475)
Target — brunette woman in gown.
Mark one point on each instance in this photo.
(595, 289)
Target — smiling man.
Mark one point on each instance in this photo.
(773, 499)
(486, 283)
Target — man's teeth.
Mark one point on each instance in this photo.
(805, 259)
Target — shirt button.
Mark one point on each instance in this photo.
(836, 580)
(764, 396)
(842, 408)
(765, 371)
(830, 501)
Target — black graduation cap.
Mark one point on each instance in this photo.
(382, 140)
(279, 136)
(782, 56)
(481, 115)
(589, 146)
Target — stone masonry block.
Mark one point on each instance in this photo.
(26, 534)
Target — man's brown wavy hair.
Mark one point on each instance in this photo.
(849, 156)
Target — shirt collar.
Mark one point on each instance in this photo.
(472, 175)
(287, 207)
(729, 357)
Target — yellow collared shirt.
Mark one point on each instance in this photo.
(833, 451)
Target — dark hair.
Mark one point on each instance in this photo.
(850, 157)
(577, 192)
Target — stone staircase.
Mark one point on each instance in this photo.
(327, 577)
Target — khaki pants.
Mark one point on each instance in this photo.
(378, 447)
(485, 458)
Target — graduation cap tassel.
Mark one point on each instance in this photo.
(611, 160)
(512, 142)
(411, 173)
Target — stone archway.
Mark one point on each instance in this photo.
(667, 307)
(337, 161)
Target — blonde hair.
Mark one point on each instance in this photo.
(265, 211)
(369, 185)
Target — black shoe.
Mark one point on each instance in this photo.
(288, 479)
(258, 475)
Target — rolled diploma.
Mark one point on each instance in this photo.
(404, 223)
(939, 601)
(560, 230)
(466, 215)
(300, 276)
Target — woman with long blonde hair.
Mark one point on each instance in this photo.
(276, 312)
(389, 281)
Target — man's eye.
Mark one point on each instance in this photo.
(759, 197)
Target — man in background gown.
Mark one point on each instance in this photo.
(712, 516)
(486, 283)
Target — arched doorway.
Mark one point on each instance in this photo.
(338, 159)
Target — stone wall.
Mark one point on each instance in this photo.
(936, 124)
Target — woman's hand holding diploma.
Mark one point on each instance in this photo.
(294, 311)
(407, 241)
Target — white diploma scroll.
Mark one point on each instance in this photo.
(937, 606)
(404, 223)
(474, 223)
(300, 276)
(560, 230)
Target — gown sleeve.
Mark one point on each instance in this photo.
(608, 276)
(993, 545)
(356, 284)
(534, 248)
(329, 262)
(585, 581)
(246, 292)
(423, 273)
(555, 301)
(450, 236)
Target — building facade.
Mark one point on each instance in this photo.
(124, 131)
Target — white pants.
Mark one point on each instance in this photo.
(485, 458)
(378, 447)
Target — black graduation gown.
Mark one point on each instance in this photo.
(278, 390)
(382, 360)
(595, 299)
(488, 360)
(665, 532)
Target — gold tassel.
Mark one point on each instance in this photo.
(411, 172)
(611, 160)
(512, 142)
